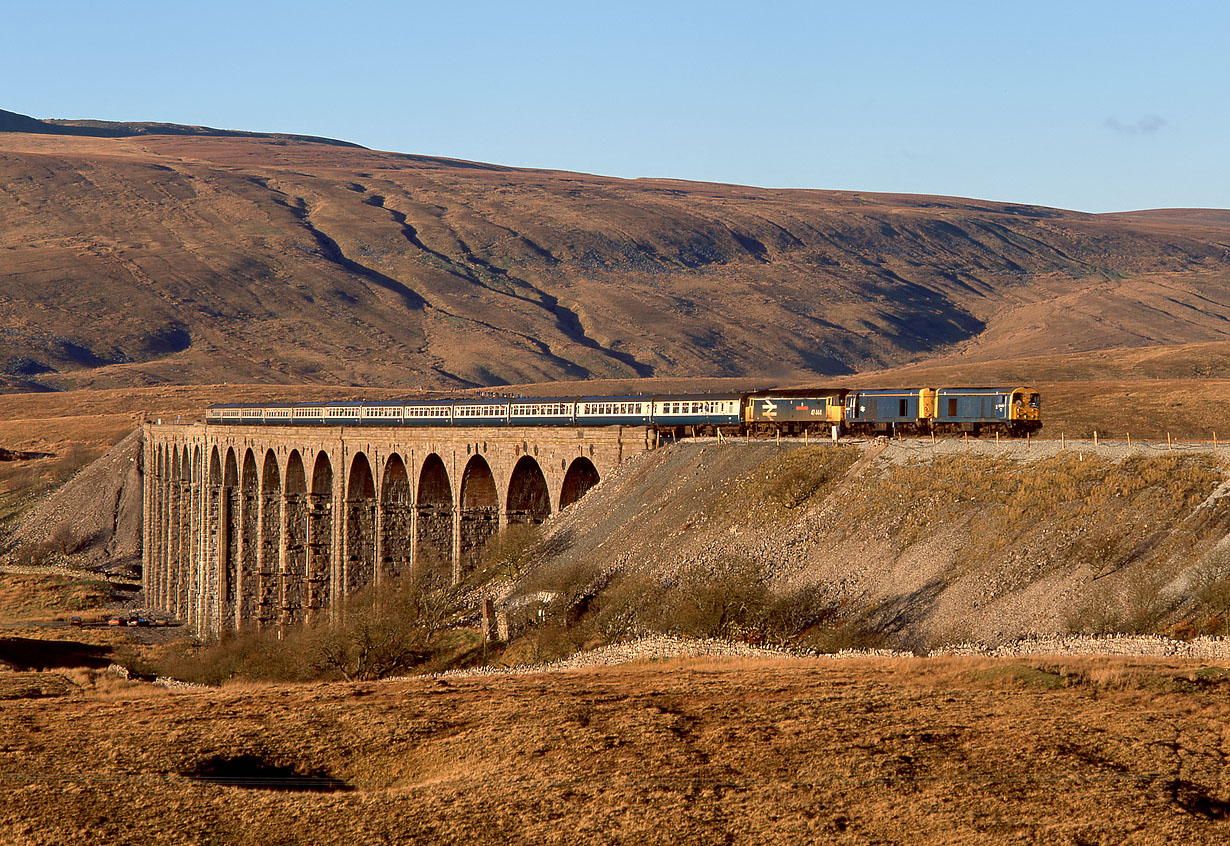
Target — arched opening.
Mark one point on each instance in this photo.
(434, 518)
(581, 476)
(294, 542)
(157, 541)
(480, 511)
(183, 596)
(220, 531)
(207, 575)
(241, 592)
(360, 526)
(320, 537)
(213, 505)
(178, 599)
(270, 558)
(396, 520)
(528, 498)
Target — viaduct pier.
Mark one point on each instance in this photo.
(249, 526)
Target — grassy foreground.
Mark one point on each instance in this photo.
(698, 751)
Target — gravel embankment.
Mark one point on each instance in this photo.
(665, 513)
(96, 515)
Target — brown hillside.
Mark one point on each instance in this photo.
(170, 259)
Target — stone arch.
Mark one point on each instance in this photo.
(230, 470)
(320, 537)
(177, 598)
(200, 597)
(360, 571)
(433, 507)
(294, 541)
(480, 511)
(528, 500)
(157, 538)
(220, 513)
(242, 582)
(396, 520)
(581, 476)
(191, 576)
(270, 551)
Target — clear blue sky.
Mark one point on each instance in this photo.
(1096, 106)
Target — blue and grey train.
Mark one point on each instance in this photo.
(1014, 411)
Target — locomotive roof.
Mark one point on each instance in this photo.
(800, 392)
(983, 390)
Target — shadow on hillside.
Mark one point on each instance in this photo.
(25, 653)
(557, 544)
(896, 618)
(256, 773)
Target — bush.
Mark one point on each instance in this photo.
(727, 599)
(507, 553)
(1210, 589)
(1136, 603)
(378, 633)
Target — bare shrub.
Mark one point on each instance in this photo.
(1096, 615)
(508, 552)
(382, 632)
(378, 632)
(616, 608)
(1147, 602)
(725, 599)
(1211, 591)
(29, 555)
(1134, 604)
(64, 539)
(797, 617)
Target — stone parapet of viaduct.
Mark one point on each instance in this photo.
(261, 525)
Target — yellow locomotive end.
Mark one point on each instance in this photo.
(1025, 405)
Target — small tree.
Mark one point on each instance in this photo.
(1211, 589)
(64, 539)
(508, 552)
(386, 631)
(718, 601)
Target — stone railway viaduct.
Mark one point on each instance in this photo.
(249, 526)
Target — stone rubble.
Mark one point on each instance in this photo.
(664, 647)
